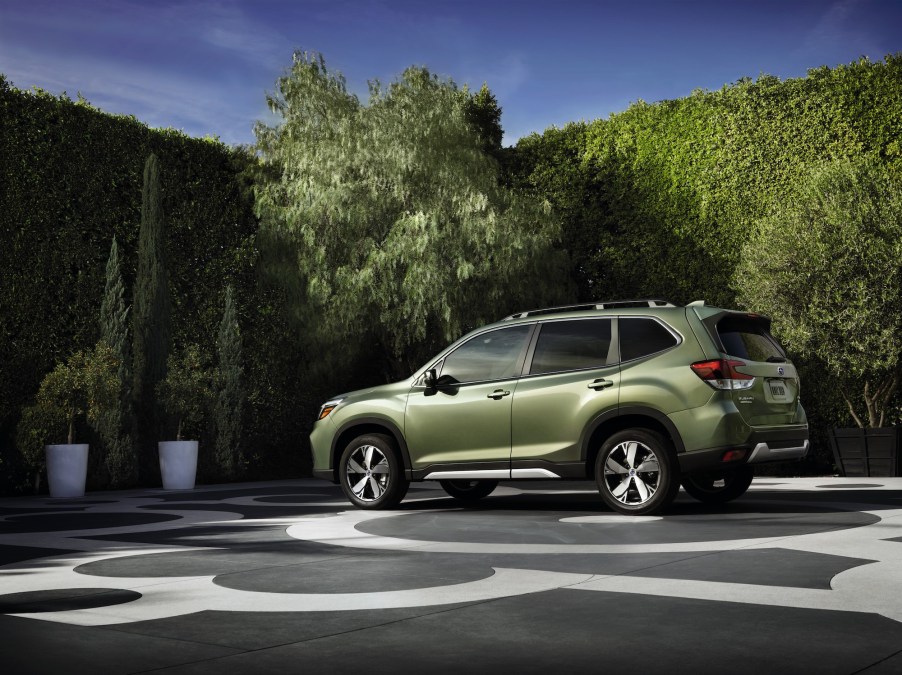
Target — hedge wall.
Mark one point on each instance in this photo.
(70, 178)
(658, 199)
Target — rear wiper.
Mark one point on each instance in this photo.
(776, 359)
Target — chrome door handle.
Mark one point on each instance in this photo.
(600, 384)
(498, 393)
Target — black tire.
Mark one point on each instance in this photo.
(719, 487)
(371, 473)
(469, 491)
(636, 472)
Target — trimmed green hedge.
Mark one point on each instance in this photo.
(70, 179)
(657, 200)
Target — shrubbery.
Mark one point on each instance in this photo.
(656, 201)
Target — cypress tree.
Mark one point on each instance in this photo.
(228, 402)
(151, 314)
(114, 423)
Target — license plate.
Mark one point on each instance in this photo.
(777, 389)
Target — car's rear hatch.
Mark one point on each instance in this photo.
(772, 397)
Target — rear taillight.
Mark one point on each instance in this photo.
(722, 374)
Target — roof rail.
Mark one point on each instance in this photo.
(601, 304)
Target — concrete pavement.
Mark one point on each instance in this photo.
(799, 575)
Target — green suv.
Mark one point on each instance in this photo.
(641, 396)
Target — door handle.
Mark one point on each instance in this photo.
(600, 384)
(498, 394)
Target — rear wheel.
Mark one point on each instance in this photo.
(371, 474)
(635, 472)
(719, 487)
(469, 491)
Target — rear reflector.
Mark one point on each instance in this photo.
(722, 374)
(733, 455)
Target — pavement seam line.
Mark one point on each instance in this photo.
(876, 663)
(240, 652)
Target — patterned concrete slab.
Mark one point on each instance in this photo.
(800, 575)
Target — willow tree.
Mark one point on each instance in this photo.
(400, 229)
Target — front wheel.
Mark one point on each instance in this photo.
(635, 472)
(371, 474)
(469, 491)
(719, 487)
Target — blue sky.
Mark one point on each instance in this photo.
(204, 66)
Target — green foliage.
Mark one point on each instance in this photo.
(229, 395)
(84, 385)
(659, 199)
(113, 312)
(399, 229)
(826, 264)
(151, 307)
(115, 424)
(37, 426)
(71, 179)
(185, 391)
(483, 113)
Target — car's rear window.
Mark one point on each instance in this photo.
(640, 337)
(746, 338)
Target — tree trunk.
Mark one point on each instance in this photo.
(875, 403)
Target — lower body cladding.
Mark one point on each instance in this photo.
(515, 470)
(689, 462)
(490, 474)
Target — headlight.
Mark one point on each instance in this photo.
(328, 407)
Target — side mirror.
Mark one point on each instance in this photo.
(430, 378)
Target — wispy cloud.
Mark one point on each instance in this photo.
(187, 65)
(197, 106)
(226, 25)
(840, 26)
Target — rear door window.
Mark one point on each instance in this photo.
(641, 337)
(572, 345)
(746, 338)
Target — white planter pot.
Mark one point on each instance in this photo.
(178, 464)
(67, 469)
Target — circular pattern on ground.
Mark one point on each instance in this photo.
(692, 523)
(57, 522)
(64, 599)
(357, 574)
(295, 498)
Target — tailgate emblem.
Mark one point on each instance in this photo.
(780, 370)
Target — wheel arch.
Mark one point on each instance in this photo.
(367, 425)
(636, 417)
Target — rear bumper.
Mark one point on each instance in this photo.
(774, 444)
(763, 452)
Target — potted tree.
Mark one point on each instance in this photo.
(184, 394)
(83, 386)
(826, 264)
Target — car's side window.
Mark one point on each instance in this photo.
(494, 355)
(572, 345)
(641, 337)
